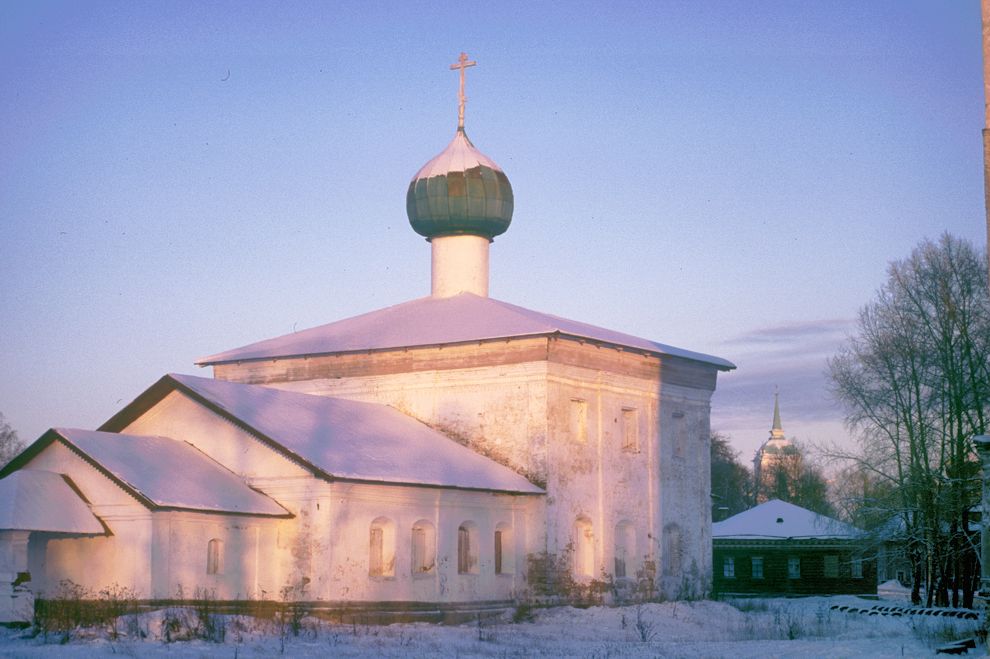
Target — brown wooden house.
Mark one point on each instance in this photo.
(778, 548)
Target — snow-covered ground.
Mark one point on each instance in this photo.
(745, 628)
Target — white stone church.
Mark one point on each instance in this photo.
(421, 453)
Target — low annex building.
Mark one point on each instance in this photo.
(781, 549)
(447, 450)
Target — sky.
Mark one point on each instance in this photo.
(178, 179)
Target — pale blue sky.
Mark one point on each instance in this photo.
(179, 178)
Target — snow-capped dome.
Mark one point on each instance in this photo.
(460, 191)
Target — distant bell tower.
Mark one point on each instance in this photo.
(775, 459)
(460, 200)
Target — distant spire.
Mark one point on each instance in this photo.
(462, 63)
(777, 432)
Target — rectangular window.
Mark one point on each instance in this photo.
(857, 567)
(630, 430)
(831, 568)
(375, 550)
(793, 567)
(729, 567)
(498, 552)
(579, 420)
(419, 550)
(463, 550)
(677, 433)
(757, 567)
(214, 556)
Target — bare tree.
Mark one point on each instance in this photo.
(915, 383)
(730, 479)
(10, 445)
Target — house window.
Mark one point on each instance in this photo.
(630, 430)
(584, 548)
(214, 556)
(579, 420)
(381, 548)
(467, 548)
(857, 567)
(900, 577)
(757, 564)
(424, 548)
(625, 549)
(831, 568)
(504, 550)
(673, 546)
(729, 567)
(793, 567)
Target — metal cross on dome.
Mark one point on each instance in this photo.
(462, 63)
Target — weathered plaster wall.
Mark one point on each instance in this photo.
(122, 558)
(522, 414)
(499, 411)
(356, 506)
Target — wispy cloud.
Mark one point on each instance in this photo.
(790, 357)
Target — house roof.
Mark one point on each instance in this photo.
(339, 439)
(778, 520)
(160, 472)
(35, 500)
(426, 321)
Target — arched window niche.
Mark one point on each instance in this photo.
(467, 548)
(584, 548)
(424, 549)
(381, 548)
(505, 555)
(625, 564)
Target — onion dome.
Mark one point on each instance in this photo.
(460, 191)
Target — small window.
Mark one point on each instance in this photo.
(214, 556)
(793, 567)
(630, 430)
(831, 568)
(424, 548)
(674, 546)
(857, 567)
(900, 578)
(504, 550)
(757, 564)
(729, 567)
(467, 548)
(579, 420)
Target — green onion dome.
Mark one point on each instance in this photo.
(460, 191)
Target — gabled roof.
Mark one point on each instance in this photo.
(778, 520)
(428, 321)
(35, 500)
(161, 473)
(339, 439)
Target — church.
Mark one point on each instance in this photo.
(444, 450)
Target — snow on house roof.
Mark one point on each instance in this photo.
(353, 440)
(778, 519)
(169, 473)
(435, 321)
(35, 500)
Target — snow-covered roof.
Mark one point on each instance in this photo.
(169, 473)
(778, 519)
(441, 320)
(346, 439)
(35, 500)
